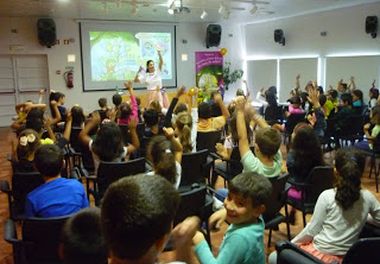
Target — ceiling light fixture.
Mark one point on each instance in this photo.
(204, 14)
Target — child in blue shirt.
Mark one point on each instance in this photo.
(57, 196)
(243, 241)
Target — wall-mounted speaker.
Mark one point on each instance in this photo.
(279, 36)
(213, 35)
(371, 24)
(46, 29)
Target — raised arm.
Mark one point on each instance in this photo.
(241, 126)
(169, 134)
(352, 85)
(134, 107)
(84, 134)
(219, 101)
(68, 126)
(161, 61)
(137, 80)
(54, 107)
(135, 142)
(173, 103)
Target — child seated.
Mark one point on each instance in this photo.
(82, 239)
(267, 160)
(244, 239)
(57, 196)
(340, 213)
(137, 216)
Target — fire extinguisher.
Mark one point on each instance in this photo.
(69, 79)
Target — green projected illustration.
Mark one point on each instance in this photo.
(116, 56)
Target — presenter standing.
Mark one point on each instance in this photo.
(152, 78)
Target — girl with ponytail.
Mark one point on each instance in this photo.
(184, 127)
(165, 153)
(340, 213)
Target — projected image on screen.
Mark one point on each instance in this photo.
(116, 56)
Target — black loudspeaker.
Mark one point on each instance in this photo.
(47, 35)
(371, 25)
(213, 35)
(279, 36)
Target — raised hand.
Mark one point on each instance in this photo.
(218, 98)
(180, 91)
(240, 103)
(95, 117)
(168, 132)
(129, 85)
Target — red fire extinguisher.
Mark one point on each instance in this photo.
(69, 79)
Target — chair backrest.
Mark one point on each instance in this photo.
(109, 172)
(319, 179)
(273, 114)
(365, 250)
(292, 121)
(234, 164)
(194, 167)
(22, 184)
(277, 198)
(41, 238)
(208, 140)
(192, 203)
(351, 125)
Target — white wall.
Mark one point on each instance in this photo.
(26, 36)
(345, 35)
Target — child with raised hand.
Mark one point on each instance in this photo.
(266, 160)
(108, 144)
(165, 152)
(243, 241)
(128, 111)
(340, 213)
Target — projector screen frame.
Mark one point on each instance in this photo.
(137, 86)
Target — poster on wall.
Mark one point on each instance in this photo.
(208, 70)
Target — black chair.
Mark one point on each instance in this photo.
(39, 241)
(375, 155)
(291, 122)
(208, 140)
(319, 179)
(272, 216)
(351, 131)
(109, 172)
(228, 169)
(22, 184)
(273, 114)
(195, 168)
(289, 253)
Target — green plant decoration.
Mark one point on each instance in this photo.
(230, 77)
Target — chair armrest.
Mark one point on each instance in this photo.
(4, 187)
(10, 234)
(214, 156)
(306, 257)
(298, 184)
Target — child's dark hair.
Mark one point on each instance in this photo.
(359, 94)
(184, 123)
(233, 128)
(374, 93)
(204, 110)
(322, 99)
(350, 165)
(82, 239)
(116, 99)
(136, 212)
(268, 141)
(125, 110)
(151, 117)
(48, 160)
(35, 120)
(333, 94)
(346, 98)
(78, 116)
(155, 104)
(251, 185)
(108, 144)
(161, 153)
(102, 102)
(181, 107)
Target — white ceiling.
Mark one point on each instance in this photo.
(156, 10)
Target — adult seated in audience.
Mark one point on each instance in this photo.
(305, 153)
(206, 123)
(82, 239)
(108, 144)
(137, 216)
(57, 196)
(340, 213)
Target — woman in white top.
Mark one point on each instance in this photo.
(340, 213)
(152, 78)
